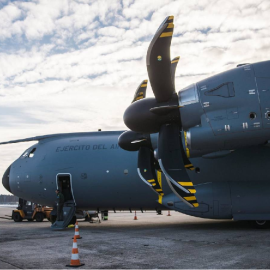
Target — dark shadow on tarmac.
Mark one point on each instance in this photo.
(217, 225)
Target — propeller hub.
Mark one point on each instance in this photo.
(132, 141)
(147, 115)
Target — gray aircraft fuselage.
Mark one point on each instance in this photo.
(227, 121)
(104, 177)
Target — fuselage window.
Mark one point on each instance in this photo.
(188, 95)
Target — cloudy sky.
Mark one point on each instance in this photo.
(73, 65)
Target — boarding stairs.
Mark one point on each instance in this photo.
(69, 210)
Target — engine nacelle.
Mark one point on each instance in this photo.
(227, 111)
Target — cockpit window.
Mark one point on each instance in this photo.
(188, 95)
(31, 154)
(28, 153)
(25, 154)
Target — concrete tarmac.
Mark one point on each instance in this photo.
(153, 241)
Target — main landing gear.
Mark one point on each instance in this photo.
(260, 224)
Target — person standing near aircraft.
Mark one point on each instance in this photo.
(60, 205)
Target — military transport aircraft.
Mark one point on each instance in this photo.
(202, 151)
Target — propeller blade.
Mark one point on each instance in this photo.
(158, 61)
(146, 169)
(161, 115)
(172, 161)
(174, 63)
(141, 91)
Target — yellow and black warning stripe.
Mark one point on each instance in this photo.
(141, 91)
(191, 199)
(169, 19)
(174, 63)
(175, 60)
(188, 197)
(161, 194)
(156, 184)
(144, 83)
(189, 167)
(189, 186)
(168, 31)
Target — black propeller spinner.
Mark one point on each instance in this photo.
(161, 114)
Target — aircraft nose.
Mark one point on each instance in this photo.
(5, 179)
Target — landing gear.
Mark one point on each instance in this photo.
(53, 218)
(261, 224)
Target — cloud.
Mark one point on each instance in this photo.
(73, 65)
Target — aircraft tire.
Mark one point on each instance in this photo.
(17, 217)
(261, 224)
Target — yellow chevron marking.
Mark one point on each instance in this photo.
(166, 34)
(160, 199)
(195, 204)
(186, 183)
(170, 25)
(154, 184)
(144, 85)
(138, 98)
(191, 198)
(158, 189)
(141, 93)
(145, 81)
(193, 191)
(151, 180)
(171, 18)
(175, 61)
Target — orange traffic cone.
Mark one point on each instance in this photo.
(135, 217)
(169, 214)
(77, 233)
(75, 261)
